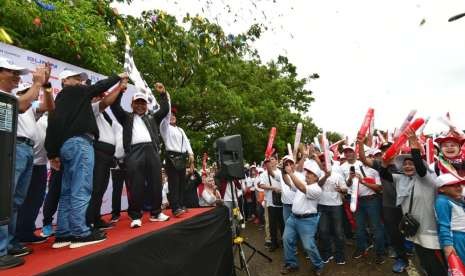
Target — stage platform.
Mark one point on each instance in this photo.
(197, 243)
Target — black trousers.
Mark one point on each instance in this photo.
(27, 214)
(118, 177)
(53, 197)
(176, 182)
(392, 217)
(103, 163)
(432, 261)
(143, 166)
(276, 222)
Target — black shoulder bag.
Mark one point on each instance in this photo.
(408, 225)
(178, 159)
(276, 197)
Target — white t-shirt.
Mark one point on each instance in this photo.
(140, 133)
(307, 203)
(329, 196)
(40, 154)
(369, 172)
(174, 137)
(106, 133)
(27, 127)
(275, 182)
(288, 193)
(119, 148)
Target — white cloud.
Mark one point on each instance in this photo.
(368, 53)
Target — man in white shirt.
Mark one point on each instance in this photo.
(10, 248)
(369, 204)
(270, 181)
(104, 149)
(178, 148)
(331, 217)
(303, 222)
(141, 146)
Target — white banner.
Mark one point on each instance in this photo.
(31, 60)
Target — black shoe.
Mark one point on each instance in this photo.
(115, 218)
(185, 209)
(101, 224)
(326, 260)
(93, 238)
(267, 245)
(178, 212)
(318, 272)
(273, 247)
(286, 269)
(34, 239)
(379, 259)
(62, 242)
(359, 253)
(19, 251)
(9, 261)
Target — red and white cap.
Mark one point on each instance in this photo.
(448, 179)
(449, 137)
(139, 95)
(344, 148)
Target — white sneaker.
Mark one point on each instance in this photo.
(160, 217)
(136, 223)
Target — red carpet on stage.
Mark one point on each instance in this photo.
(45, 258)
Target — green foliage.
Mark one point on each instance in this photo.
(217, 81)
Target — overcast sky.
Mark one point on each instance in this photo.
(367, 53)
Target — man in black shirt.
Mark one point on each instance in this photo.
(71, 132)
(141, 145)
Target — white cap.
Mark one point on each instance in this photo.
(70, 73)
(139, 95)
(8, 64)
(288, 158)
(22, 86)
(312, 166)
(347, 148)
(374, 151)
(448, 179)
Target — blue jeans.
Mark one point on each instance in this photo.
(331, 230)
(287, 210)
(305, 228)
(370, 208)
(77, 159)
(23, 171)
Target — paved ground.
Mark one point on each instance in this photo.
(259, 266)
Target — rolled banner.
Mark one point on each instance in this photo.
(289, 149)
(269, 147)
(446, 121)
(298, 135)
(399, 143)
(354, 195)
(456, 267)
(325, 146)
(334, 148)
(405, 123)
(366, 122)
(420, 131)
(429, 151)
(317, 143)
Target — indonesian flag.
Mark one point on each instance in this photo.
(446, 167)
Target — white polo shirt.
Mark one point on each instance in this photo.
(329, 196)
(307, 203)
(140, 133)
(369, 172)
(27, 127)
(40, 154)
(288, 193)
(276, 181)
(106, 133)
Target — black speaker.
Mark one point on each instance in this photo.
(8, 124)
(230, 157)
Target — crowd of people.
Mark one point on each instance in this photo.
(403, 204)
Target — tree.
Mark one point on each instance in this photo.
(217, 81)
